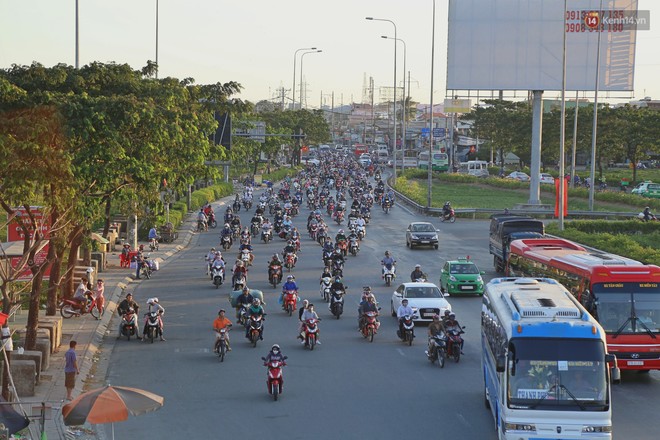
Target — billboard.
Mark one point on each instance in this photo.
(518, 45)
(15, 234)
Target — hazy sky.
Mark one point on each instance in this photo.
(253, 42)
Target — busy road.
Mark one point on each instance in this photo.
(345, 388)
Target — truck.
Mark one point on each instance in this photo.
(504, 228)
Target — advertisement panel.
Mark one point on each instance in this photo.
(514, 45)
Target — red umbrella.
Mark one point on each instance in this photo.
(110, 404)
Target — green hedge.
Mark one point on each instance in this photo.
(631, 239)
(281, 174)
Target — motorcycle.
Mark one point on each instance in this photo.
(145, 269)
(267, 236)
(370, 325)
(437, 349)
(226, 242)
(236, 206)
(387, 206)
(343, 246)
(212, 221)
(236, 231)
(221, 343)
(449, 216)
(290, 261)
(254, 228)
(408, 330)
(239, 283)
(337, 303)
(129, 324)
(71, 307)
(275, 379)
(152, 326)
(337, 268)
(361, 232)
(454, 341)
(310, 331)
(243, 315)
(201, 226)
(256, 328)
(354, 247)
(389, 274)
(339, 217)
(247, 204)
(153, 244)
(246, 257)
(290, 301)
(313, 228)
(218, 274)
(325, 288)
(275, 275)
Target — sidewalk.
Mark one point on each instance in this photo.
(89, 334)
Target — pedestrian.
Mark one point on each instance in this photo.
(98, 294)
(70, 369)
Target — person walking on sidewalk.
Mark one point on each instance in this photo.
(70, 370)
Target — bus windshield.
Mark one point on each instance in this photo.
(625, 308)
(557, 374)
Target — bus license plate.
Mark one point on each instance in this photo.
(635, 362)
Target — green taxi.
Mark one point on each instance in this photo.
(461, 276)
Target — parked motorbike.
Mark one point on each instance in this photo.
(129, 324)
(337, 303)
(289, 301)
(275, 379)
(408, 330)
(152, 326)
(449, 216)
(311, 330)
(71, 307)
(370, 325)
(218, 275)
(275, 274)
(325, 288)
(437, 350)
(389, 274)
(221, 344)
(256, 329)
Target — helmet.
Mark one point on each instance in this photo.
(221, 311)
(256, 302)
(239, 263)
(447, 312)
(151, 301)
(447, 203)
(226, 225)
(212, 249)
(275, 347)
(404, 300)
(452, 315)
(436, 316)
(246, 289)
(371, 297)
(387, 253)
(289, 278)
(306, 302)
(337, 280)
(275, 257)
(341, 231)
(417, 266)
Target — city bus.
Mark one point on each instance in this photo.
(623, 295)
(439, 161)
(544, 362)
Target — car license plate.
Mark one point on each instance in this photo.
(429, 315)
(467, 287)
(425, 241)
(635, 363)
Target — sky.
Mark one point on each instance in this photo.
(253, 42)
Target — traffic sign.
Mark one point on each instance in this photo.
(438, 132)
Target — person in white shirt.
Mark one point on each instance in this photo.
(404, 310)
(308, 313)
(209, 259)
(154, 306)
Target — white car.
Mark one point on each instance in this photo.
(519, 176)
(312, 161)
(547, 178)
(426, 300)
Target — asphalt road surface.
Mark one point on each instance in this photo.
(347, 387)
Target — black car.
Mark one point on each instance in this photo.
(421, 234)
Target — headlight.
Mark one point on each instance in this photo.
(452, 278)
(527, 427)
(435, 237)
(479, 279)
(414, 237)
(607, 428)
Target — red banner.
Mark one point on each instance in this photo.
(15, 233)
(557, 181)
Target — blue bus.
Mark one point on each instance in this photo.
(545, 363)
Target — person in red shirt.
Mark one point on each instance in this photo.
(218, 324)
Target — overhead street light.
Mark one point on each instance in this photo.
(293, 88)
(301, 74)
(395, 38)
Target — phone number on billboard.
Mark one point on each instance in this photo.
(581, 27)
(606, 21)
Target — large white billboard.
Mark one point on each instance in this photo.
(517, 44)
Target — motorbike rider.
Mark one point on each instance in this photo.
(305, 303)
(404, 310)
(308, 313)
(124, 307)
(217, 261)
(290, 248)
(452, 324)
(202, 221)
(266, 227)
(218, 324)
(244, 299)
(245, 245)
(226, 232)
(367, 305)
(229, 215)
(287, 223)
(239, 271)
(275, 354)
(446, 209)
(417, 274)
(435, 328)
(340, 236)
(153, 236)
(337, 285)
(257, 219)
(275, 262)
(388, 260)
(210, 257)
(325, 274)
(235, 223)
(82, 294)
(154, 306)
(289, 285)
(648, 216)
(245, 234)
(255, 310)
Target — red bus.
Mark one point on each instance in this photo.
(360, 149)
(622, 294)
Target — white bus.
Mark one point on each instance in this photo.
(545, 362)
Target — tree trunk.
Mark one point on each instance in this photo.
(106, 225)
(55, 280)
(75, 238)
(33, 311)
(87, 247)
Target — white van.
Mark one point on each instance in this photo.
(477, 168)
(382, 156)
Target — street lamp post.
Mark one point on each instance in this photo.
(301, 74)
(156, 39)
(77, 43)
(403, 111)
(293, 88)
(430, 163)
(395, 38)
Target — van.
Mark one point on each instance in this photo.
(382, 156)
(647, 189)
(477, 168)
(324, 148)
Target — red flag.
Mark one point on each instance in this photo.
(565, 198)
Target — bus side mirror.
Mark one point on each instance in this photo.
(615, 375)
(500, 363)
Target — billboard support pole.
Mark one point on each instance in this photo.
(594, 127)
(535, 165)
